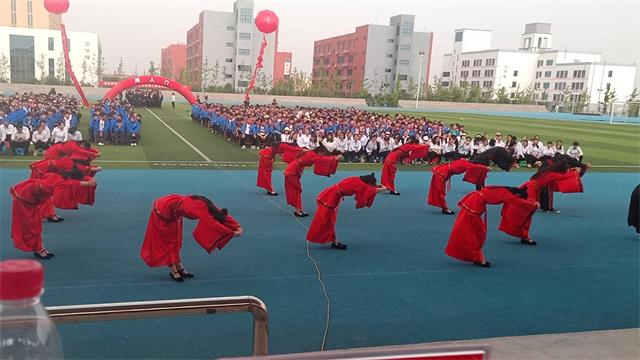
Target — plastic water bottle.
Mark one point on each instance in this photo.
(26, 331)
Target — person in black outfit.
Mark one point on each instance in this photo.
(633, 218)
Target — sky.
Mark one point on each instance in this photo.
(136, 30)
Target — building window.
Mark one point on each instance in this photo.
(246, 52)
(387, 70)
(244, 36)
(540, 63)
(30, 13)
(547, 74)
(477, 62)
(402, 77)
(549, 62)
(465, 63)
(459, 36)
(562, 74)
(464, 74)
(545, 85)
(229, 60)
(14, 19)
(559, 86)
(476, 73)
(243, 83)
(536, 86)
(389, 56)
(512, 96)
(558, 97)
(244, 68)
(340, 60)
(514, 84)
(579, 73)
(475, 83)
(488, 73)
(22, 59)
(527, 43)
(390, 40)
(406, 27)
(229, 44)
(515, 73)
(446, 74)
(52, 68)
(490, 62)
(349, 71)
(487, 84)
(404, 62)
(544, 96)
(538, 74)
(230, 28)
(325, 61)
(316, 61)
(608, 87)
(405, 47)
(244, 16)
(228, 76)
(339, 72)
(610, 74)
(50, 44)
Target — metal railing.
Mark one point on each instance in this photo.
(169, 308)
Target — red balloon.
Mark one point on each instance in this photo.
(56, 6)
(267, 21)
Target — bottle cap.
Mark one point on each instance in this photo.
(20, 279)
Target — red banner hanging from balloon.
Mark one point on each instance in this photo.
(67, 65)
(252, 82)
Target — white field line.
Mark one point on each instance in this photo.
(180, 137)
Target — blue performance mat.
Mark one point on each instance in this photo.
(394, 285)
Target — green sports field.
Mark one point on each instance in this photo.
(607, 147)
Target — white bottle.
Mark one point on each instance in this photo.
(26, 331)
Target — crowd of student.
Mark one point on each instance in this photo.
(144, 97)
(362, 136)
(114, 122)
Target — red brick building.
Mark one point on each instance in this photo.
(282, 66)
(173, 60)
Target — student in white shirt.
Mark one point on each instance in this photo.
(285, 137)
(302, 139)
(559, 147)
(3, 135)
(499, 141)
(40, 137)
(549, 150)
(575, 151)
(60, 134)
(371, 148)
(7, 130)
(465, 148)
(313, 142)
(20, 139)
(354, 148)
(341, 143)
(74, 134)
(329, 142)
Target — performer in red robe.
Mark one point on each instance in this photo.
(546, 194)
(470, 229)
(268, 157)
(323, 225)
(411, 150)
(515, 221)
(441, 180)
(500, 156)
(323, 165)
(29, 198)
(71, 149)
(163, 239)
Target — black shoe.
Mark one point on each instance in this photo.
(447, 212)
(38, 255)
(272, 193)
(394, 193)
(528, 242)
(485, 265)
(301, 214)
(339, 246)
(56, 220)
(185, 274)
(175, 276)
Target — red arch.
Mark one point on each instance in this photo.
(155, 80)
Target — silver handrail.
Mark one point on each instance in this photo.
(167, 308)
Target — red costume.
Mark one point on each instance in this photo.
(412, 151)
(470, 229)
(517, 221)
(441, 179)
(268, 157)
(163, 239)
(30, 199)
(322, 165)
(323, 225)
(70, 149)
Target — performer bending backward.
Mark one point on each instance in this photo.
(323, 225)
(411, 150)
(558, 177)
(498, 155)
(30, 198)
(163, 239)
(546, 194)
(268, 157)
(323, 164)
(470, 229)
(441, 180)
(633, 217)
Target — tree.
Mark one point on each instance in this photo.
(474, 95)
(41, 65)
(502, 97)
(152, 68)
(206, 72)
(5, 69)
(633, 107)
(99, 66)
(120, 70)
(85, 69)
(215, 75)
(609, 98)
(60, 69)
(459, 93)
(582, 101)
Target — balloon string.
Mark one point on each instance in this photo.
(67, 65)
(252, 82)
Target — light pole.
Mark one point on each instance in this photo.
(419, 75)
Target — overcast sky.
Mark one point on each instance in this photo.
(138, 29)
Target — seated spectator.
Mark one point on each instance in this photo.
(102, 130)
(133, 130)
(40, 138)
(549, 149)
(575, 151)
(559, 147)
(59, 133)
(20, 139)
(74, 134)
(118, 132)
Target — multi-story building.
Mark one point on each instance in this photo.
(282, 67)
(550, 74)
(27, 14)
(374, 56)
(229, 42)
(37, 55)
(173, 60)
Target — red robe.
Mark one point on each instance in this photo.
(440, 180)
(516, 221)
(412, 151)
(322, 165)
(163, 238)
(268, 157)
(470, 229)
(70, 149)
(323, 225)
(30, 199)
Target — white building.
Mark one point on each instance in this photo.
(550, 74)
(37, 54)
(231, 40)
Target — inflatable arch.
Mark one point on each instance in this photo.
(153, 80)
